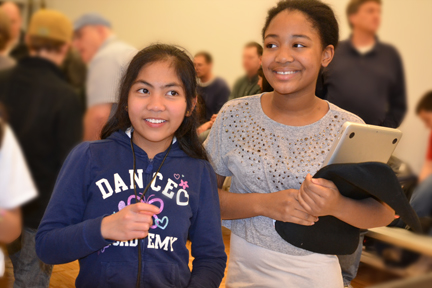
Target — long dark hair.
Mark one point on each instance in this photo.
(186, 134)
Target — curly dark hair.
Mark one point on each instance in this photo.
(320, 15)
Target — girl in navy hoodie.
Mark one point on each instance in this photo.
(125, 206)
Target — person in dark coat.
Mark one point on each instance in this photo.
(366, 76)
(45, 113)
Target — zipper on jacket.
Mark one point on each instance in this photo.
(148, 177)
(149, 169)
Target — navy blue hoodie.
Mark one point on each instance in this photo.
(95, 182)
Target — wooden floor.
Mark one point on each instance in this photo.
(64, 275)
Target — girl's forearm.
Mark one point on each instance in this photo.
(364, 214)
(204, 127)
(61, 242)
(10, 225)
(282, 205)
(240, 206)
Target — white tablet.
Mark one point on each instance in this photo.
(357, 143)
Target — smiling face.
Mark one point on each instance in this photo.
(293, 53)
(156, 105)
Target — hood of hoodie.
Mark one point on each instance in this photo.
(123, 138)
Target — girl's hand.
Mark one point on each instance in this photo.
(319, 197)
(283, 206)
(204, 127)
(213, 118)
(208, 124)
(131, 222)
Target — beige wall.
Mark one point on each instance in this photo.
(223, 26)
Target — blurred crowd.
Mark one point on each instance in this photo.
(58, 84)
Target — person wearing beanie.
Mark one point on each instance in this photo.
(46, 116)
(107, 57)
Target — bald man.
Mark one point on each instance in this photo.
(17, 48)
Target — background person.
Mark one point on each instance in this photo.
(5, 37)
(366, 76)
(424, 112)
(213, 90)
(204, 126)
(421, 199)
(46, 116)
(17, 188)
(248, 84)
(107, 58)
(17, 48)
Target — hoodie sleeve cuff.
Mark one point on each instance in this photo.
(92, 234)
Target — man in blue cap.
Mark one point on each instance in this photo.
(107, 57)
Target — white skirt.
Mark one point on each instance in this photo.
(253, 266)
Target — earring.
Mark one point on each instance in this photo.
(126, 108)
